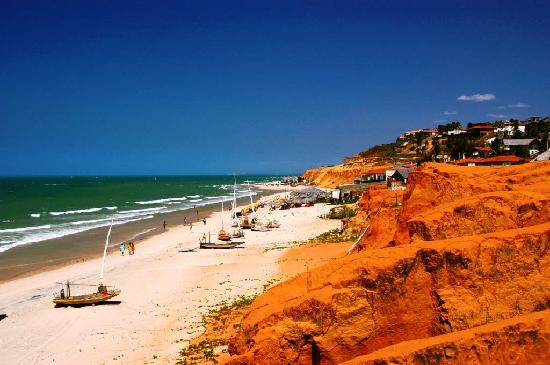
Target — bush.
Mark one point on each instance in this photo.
(345, 212)
(381, 150)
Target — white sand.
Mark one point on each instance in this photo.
(164, 294)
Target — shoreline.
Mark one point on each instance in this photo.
(164, 294)
(56, 253)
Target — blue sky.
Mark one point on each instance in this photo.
(205, 87)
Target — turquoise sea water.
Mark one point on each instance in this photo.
(34, 209)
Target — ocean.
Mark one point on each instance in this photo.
(36, 209)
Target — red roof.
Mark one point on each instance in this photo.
(483, 149)
(483, 126)
(491, 159)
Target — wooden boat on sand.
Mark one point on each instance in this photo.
(245, 223)
(223, 246)
(102, 295)
(224, 236)
(207, 244)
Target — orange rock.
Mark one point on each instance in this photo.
(520, 340)
(471, 248)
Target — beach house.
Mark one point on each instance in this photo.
(530, 144)
(373, 176)
(481, 129)
(397, 179)
(491, 161)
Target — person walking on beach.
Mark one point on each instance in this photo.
(131, 248)
(184, 221)
(164, 225)
(121, 248)
(204, 221)
(190, 225)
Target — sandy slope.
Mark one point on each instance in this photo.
(164, 294)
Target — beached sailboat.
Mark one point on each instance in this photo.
(261, 225)
(204, 244)
(102, 295)
(273, 223)
(222, 234)
(247, 221)
(236, 231)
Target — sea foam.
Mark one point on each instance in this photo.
(159, 201)
(157, 209)
(42, 233)
(24, 229)
(90, 210)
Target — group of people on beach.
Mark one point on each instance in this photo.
(191, 222)
(127, 246)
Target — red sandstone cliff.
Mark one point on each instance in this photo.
(471, 249)
(332, 176)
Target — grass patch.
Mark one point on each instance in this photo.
(225, 307)
(333, 236)
(344, 212)
(283, 246)
(203, 351)
(219, 323)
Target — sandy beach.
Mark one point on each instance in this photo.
(164, 295)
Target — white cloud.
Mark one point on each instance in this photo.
(450, 113)
(477, 97)
(441, 121)
(516, 105)
(501, 116)
(519, 105)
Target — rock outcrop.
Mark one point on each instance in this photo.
(332, 176)
(466, 247)
(520, 340)
(445, 201)
(381, 297)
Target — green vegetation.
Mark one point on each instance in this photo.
(380, 150)
(442, 128)
(208, 349)
(203, 351)
(239, 302)
(333, 236)
(344, 212)
(539, 131)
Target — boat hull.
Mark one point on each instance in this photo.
(88, 299)
(218, 246)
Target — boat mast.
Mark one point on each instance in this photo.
(250, 193)
(235, 202)
(104, 254)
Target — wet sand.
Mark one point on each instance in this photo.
(41, 256)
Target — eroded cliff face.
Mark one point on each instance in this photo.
(520, 340)
(465, 248)
(381, 297)
(332, 176)
(444, 201)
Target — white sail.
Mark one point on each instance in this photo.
(235, 203)
(104, 254)
(250, 193)
(222, 215)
